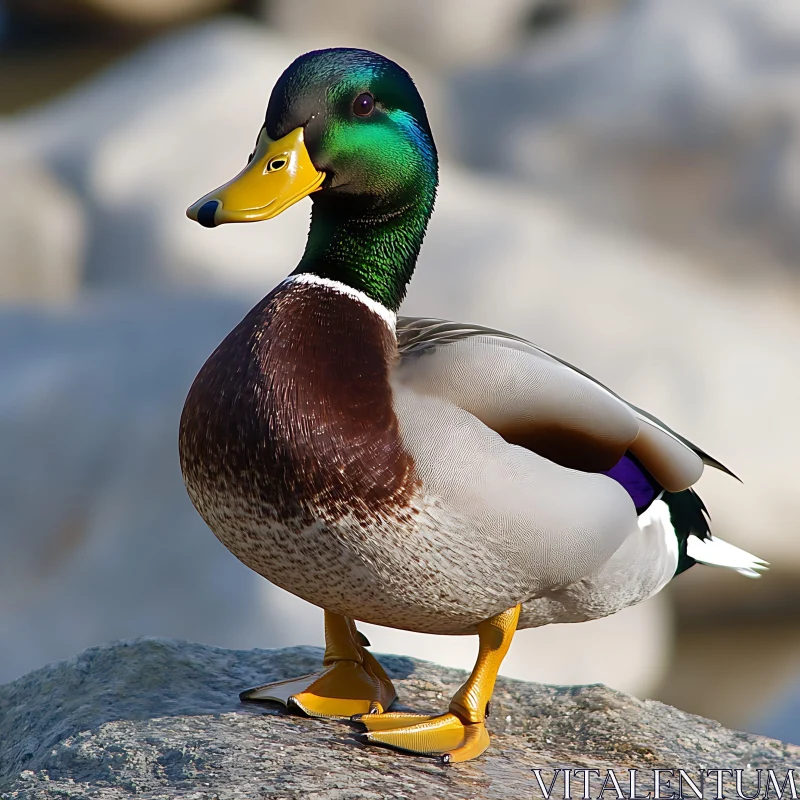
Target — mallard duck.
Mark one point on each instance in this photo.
(414, 473)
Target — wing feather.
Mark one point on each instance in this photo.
(539, 401)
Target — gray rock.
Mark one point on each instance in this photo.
(140, 13)
(42, 229)
(158, 718)
(676, 118)
(459, 32)
(783, 717)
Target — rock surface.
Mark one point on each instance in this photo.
(160, 719)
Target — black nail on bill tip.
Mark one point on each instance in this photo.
(205, 216)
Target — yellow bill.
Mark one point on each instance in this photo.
(280, 174)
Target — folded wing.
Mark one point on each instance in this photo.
(536, 400)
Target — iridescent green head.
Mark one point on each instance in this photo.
(349, 128)
(365, 124)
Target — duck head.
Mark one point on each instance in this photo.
(347, 127)
(343, 124)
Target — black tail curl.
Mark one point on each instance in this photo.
(689, 517)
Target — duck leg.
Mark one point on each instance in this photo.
(459, 735)
(353, 682)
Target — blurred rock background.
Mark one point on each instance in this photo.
(621, 184)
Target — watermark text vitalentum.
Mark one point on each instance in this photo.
(666, 784)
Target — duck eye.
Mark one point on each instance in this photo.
(279, 162)
(363, 105)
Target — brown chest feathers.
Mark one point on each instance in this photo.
(293, 412)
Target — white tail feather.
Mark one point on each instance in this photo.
(716, 553)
